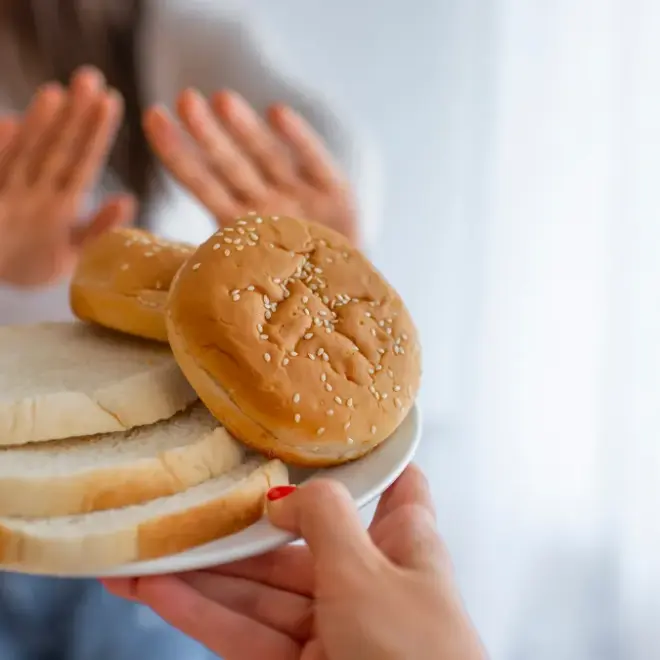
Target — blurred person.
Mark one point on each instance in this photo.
(387, 593)
(78, 79)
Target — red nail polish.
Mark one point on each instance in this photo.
(279, 492)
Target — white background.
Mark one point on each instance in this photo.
(520, 145)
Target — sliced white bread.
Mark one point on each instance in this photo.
(68, 477)
(61, 380)
(96, 541)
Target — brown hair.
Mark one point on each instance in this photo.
(55, 37)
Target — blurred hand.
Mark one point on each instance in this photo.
(233, 161)
(48, 162)
(386, 594)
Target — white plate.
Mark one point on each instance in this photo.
(366, 479)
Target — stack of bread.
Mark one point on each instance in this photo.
(299, 350)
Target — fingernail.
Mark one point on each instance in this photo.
(279, 492)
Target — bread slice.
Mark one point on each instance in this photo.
(69, 477)
(61, 380)
(96, 541)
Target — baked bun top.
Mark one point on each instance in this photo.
(123, 278)
(300, 330)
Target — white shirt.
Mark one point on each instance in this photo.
(195, 44)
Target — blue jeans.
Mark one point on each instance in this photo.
(52, 619)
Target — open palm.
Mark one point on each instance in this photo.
(234, 161)
(48, 162)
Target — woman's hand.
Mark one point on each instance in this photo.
(48, 161)
(233, 161)
(386, 594)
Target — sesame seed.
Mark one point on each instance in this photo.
(338, 400)
(253, 236)
(320, 352)
(196, 266)
(296, 398)
(397, 402)
(259, 220)
(308, 335)
(349, 440)
(347, 426)
(326, 357)
(320, 431)
(285, 361)
(296, 418)
(277, 280)
(349, 402)
(227, 253)
(328, 330)
(236, 297)
(305, 300)
(371, 371)
(241, 231)
(251, 287)
(373, 331)
(383, 395)
(228, 240)
(240, 247)
(311, 356)
(328, 387)
(330, 412)
(267, 357)
(373, 430)
(397, 388)
(324, 377)
(267, 315)
(216, 246)
(264, 336)
(307, 312)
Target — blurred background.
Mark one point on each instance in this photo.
(519, 148)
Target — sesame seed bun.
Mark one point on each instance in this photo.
(294, 341)
(122, 281)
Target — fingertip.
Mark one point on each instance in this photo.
(228, 104)
(87, 78)
(189, 99)
(156, 117)
(50, 93)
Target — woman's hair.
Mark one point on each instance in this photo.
(57, 36)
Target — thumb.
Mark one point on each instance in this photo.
(117, 211)
(324, 514)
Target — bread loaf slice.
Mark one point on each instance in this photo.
(96, 541)
(61, 380)
(68, 477)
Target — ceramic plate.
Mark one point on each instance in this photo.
(366, 479)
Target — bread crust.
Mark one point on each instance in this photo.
(122, 280)
(166, 472)
(64, 380)
(163, 535)
(294, 341)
